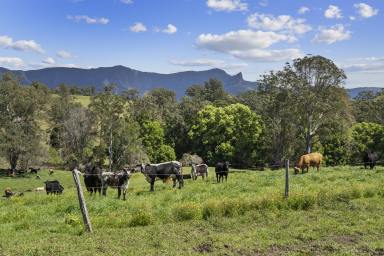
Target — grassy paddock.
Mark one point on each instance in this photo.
(337, 211)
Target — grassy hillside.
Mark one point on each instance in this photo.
(335, 212)
(83, 100)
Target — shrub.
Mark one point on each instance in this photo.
(188, 211)
(141, 218)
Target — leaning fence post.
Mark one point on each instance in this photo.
(83, 206)
(286, 178)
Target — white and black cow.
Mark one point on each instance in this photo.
(163, 171)
(119, 180)
(199, 170)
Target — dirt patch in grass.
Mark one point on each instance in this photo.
(204, 248)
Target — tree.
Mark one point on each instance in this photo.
(313, 81)
(20, 108)
(369, 107)
(227, 133)
(117, 131)
(152, 135)
(367, 137)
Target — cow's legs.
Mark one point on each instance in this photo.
(118, 192)
(174, 182)
(152, 184)
(217, 177)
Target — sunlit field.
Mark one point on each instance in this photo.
(337, 211)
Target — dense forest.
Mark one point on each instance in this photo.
(298, 109)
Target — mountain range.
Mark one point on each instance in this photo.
(125, 78)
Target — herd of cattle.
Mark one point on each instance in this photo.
(96, 179)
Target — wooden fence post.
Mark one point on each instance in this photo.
(286, 178)
(83, 206)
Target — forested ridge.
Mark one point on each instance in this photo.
(301, 108)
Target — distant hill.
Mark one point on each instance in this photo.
(353, 92)
(125, 77)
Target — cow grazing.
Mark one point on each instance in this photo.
(8, 193)
(34, 170)
(92, 178)
(222, 170)
(307, 160)
(199, 170)
(50, 171)
(119, 180)
(53, 187)
(369, 159)
(163, 171)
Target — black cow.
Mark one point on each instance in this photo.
(53, 187)
(34, 170)
(163, 171)
(369, 160)
(92, 178)
(222, 170)
(119, 180)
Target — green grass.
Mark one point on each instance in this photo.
(338, 211)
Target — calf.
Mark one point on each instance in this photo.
(307, 160)
(199, 170)
(34, 170)
(163, 171)
(222, 170)
(53, 187)
(369, 159)
(119, 180)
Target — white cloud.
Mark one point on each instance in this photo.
(138, 27)
(127, 1)
(303, 10)
(352, 17)
(20, 45)
(11, 62)
(268, 55)
(88, 20)
(227, 5)
(333, 12)
(367, 65)
(281, 22)
(49, 61)
(249, 44)
(264, 3)
(64, 54)
(332, 35)
(171, 29)
(208, 63)
(365, 10)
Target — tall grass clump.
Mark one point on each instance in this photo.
(187, 211)
(141, 218)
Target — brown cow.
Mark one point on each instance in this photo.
(307, 160)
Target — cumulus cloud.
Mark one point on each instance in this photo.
(88, 20)
(64, 54)
(127, 1)
(249, 44)
(332, 35)
(365, 10)
(20, 45)
(171, 29)
(241, 39)
(138, 27)
(303, 10)
(333, 12)
(227, 5)
(208, 63)
(281, 22)
(49, 61)
(11, 62)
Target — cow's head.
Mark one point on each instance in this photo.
(297, 169)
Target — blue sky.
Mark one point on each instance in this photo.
(249, 36)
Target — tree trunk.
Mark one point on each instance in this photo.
(110, 149)
(309, 135)
(13, 158)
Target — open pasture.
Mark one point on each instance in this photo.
(338, 211)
